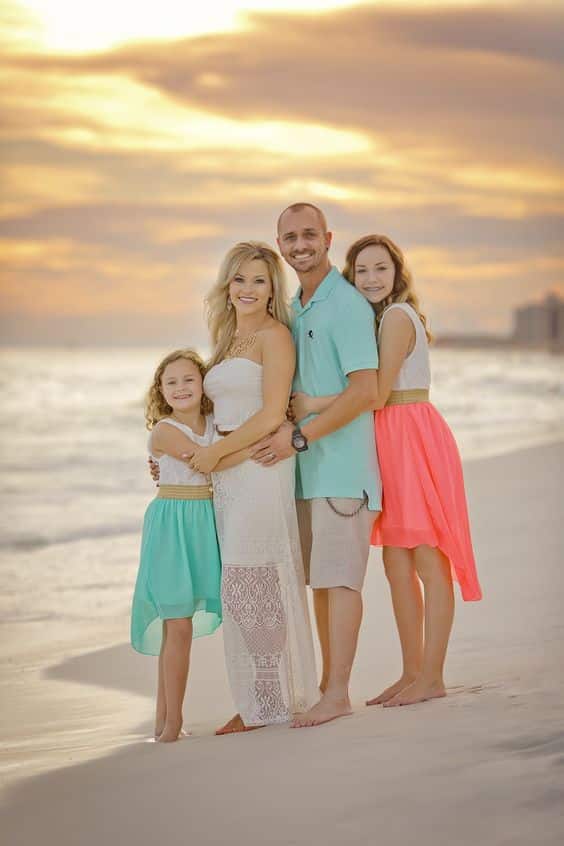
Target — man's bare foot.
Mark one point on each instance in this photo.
(328, 708)
(419, 691)
(236, 725)
(170, 732)
(392, 690)
(323, 685)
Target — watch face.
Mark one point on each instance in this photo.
(298, 441)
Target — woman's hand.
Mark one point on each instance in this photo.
(205, 459)
(154, 470)
(301, 405)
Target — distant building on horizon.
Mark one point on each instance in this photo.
(540, 324)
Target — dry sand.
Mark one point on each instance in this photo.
(485, 765)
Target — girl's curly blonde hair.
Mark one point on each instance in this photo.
(402, 291)
(156, 406)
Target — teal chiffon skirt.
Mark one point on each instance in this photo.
(179, 571)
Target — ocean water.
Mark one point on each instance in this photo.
(73, 461)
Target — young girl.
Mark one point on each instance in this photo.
(424, 526)
(177, 594)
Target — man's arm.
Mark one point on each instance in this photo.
(355, 344)
(356, 399)
(302, 405)
(397, 341)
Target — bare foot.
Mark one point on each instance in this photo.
(236, 725)
(160, 720)
(170, 733)
(392, 690)
(230, 725)
(328, 708)
(419, 691)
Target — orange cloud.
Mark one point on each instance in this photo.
(128, 172)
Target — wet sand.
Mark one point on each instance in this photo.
(485, 765)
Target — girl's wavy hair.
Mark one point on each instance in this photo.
(222, 320)
(156, 406)
(402, 291)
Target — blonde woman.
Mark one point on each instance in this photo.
(267, 634)
(424, 527)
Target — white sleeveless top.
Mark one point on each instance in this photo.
(175, 472)
(416, 370)
(235, 388)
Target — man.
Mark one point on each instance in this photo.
(338, 489)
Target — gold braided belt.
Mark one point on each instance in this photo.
(405, 397)
(185, 492)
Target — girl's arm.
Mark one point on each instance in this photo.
(397, 339)
(168, 440)
(396, 342)
(278, 363)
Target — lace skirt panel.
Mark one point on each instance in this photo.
(266, 626)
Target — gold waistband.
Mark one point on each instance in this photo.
(185, 492)
(405, 397)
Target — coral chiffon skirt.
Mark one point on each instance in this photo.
(423, 489)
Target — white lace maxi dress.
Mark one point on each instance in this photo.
(266, 627)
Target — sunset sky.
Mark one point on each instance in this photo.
(141, 140)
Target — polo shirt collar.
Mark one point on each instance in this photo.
(322, 292)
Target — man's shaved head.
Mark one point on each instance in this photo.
(298, 207)
(303, 240)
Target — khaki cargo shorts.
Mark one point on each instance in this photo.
(335, 546)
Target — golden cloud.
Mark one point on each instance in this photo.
(129, 171)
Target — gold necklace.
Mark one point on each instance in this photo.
(237, 347)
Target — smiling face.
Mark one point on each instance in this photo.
(303, 239)
(181, 385)
(374, 273)
(251, 288)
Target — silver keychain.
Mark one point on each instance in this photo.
(362, 505)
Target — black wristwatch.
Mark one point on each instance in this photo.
(299, 440)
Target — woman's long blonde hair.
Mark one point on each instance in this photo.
(222, 321)
(156, 407)
(402, 291)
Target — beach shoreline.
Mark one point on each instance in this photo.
(486, 763)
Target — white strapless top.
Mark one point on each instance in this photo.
(235, 388)
(416, 370)
(175, 472)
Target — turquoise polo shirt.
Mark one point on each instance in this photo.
(334, 336)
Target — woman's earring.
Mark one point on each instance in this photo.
(270, 306)
(229, 304)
